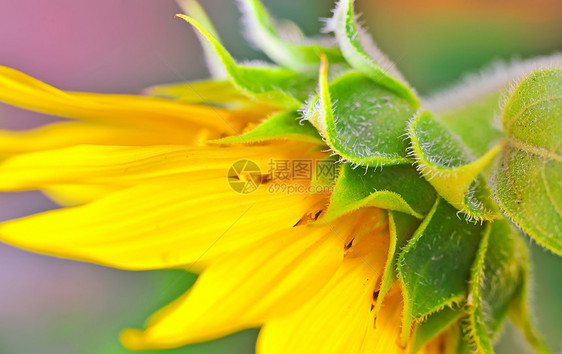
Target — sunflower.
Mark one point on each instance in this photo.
(319, 199)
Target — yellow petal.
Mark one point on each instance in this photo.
(64, 134)
(199, 92)
(71, 195)
(384, 338)
(241, 290)
(130, 165)
(337, 319)
(242, 108)
(439, 345)
(24, 91)
(159, 225)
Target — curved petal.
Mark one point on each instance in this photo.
(21, 90)
(215, 91)
(64, 134)
(385, 337)
(159, 225)
(130, 165)
(337, 319)
(245, 288)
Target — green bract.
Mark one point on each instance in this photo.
(434, 324)
(363, 125)
(300, 56)
(528, 174)
(277, 86)
(284, 125)
(402, 227)
(481, 113)
(398, 188)
(355, 43)
(195, 10)
(435, 264)
(462, 267)
(444, 161)
(496, 275)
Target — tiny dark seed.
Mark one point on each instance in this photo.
(317, 215)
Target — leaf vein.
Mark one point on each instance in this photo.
(522, 204)
(526, 107)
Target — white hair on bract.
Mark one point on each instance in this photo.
(498, 75)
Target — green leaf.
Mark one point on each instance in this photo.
(361, 121)
(434, 267)
(278, 86)
(195, 11)
(445, 162)
(474, 123)
(402, 227)
(301, 54)
(350, 37)
(527, 178)
(283, 125)
(433, 325)
(495, 278)
(398, 188)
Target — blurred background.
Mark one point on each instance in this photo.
(50, 305)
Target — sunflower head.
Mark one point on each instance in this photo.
(320, 197)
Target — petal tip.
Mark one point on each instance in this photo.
(133, 339)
